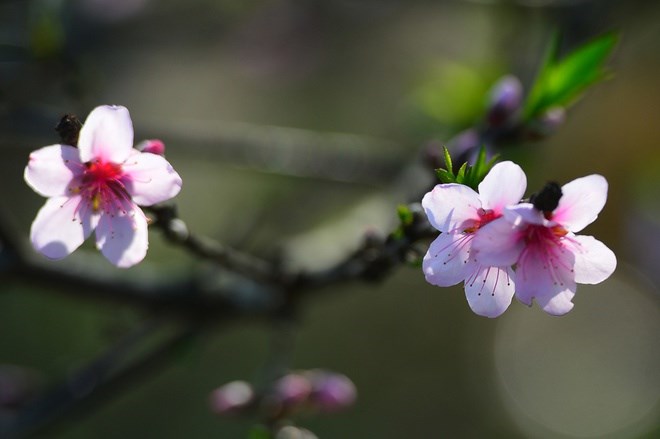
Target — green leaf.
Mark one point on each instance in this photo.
(448, 162)
(445, 176)
(561, 82)
(460, 176)
(259, 432)
(405, 215)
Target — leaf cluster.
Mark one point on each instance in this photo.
(468, 175)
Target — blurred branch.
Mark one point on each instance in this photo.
(103, 377)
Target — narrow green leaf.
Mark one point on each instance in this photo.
(460, 176)
(448, 162)
(538, 89)
(561, 82)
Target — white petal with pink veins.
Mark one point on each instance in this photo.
(498, 243)
(489, 290)
(594, 261)
(62, 224)
(581, 201)
(107, 134)
(504, 185)
(123, 238)
(51, 169)
(451, 207)
(543, 273)
(150, 179)
(447, 262)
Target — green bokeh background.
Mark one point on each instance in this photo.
(221, 83)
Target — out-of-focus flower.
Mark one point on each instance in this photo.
(460, 213)
(331, 391)
(292, 432)
(231, 398)
(98, 186)
(539, 238)
(292, 390)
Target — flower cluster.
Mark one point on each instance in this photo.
(501, 247)
(98, 186)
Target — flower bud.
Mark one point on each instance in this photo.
(153, 146)
(291, 432)
(331, 391)
(231, 398)
(547, 124)
(463, 145)
(504, 100)
(292, 390)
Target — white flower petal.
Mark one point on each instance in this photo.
(107, 134)
(526, 213)
(149, 178)
(451, 207)
(557, 303)
(498, 243)
(489, 290)
(594, 261)
(123, 238)
(504, 185)
(545, 273)
(581, 202)
(447, 262)
(51, 169)
(62, 224)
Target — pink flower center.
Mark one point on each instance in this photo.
(546, 246)
(485, 216)
(102, 188)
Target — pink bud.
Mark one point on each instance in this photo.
(153, 146)
(332, 391)
(292, 389)
(504, 100)
(231, 398)
(546, 124)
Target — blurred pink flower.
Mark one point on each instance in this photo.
(97, 186)
(459, 213)
(539, 238)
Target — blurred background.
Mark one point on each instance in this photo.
(288, 121)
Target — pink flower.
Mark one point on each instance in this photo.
(97, 186)
(539, 238)
(460, 213)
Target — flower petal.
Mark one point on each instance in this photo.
(581, 201)
(123, 238)
(489, 290)
(447, 262)
(594, 261)
(107, 135)
(149, 178)
(504, 185)
(498, 243)
(51, 169)
(62, 224)
(545, 273)
(451, 207)
(558, 302)
(526, 213)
